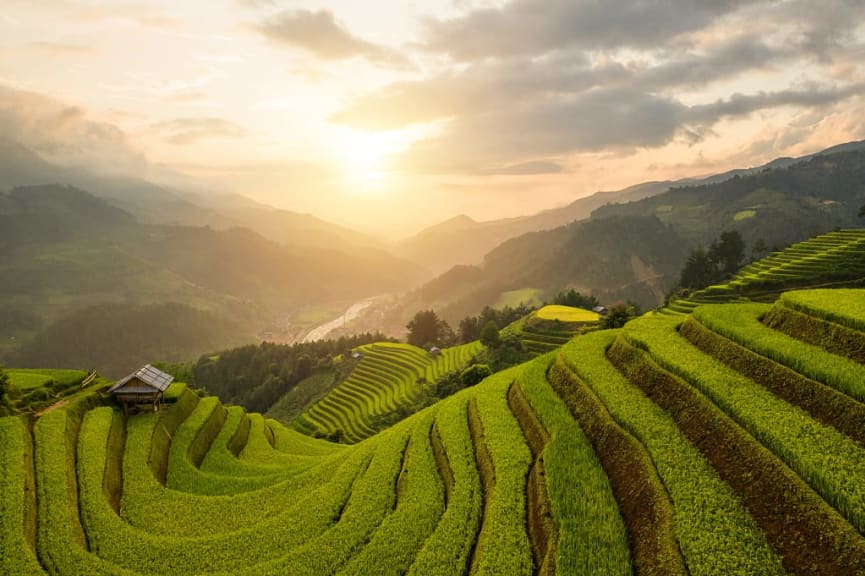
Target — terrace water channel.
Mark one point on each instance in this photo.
(320, 332)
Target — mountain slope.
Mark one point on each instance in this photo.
(593, 459)
(635, 250)
(163, 205)
(462, 241)
(63, 250)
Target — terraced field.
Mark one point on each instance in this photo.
(550, 327)
(828, 259)
(729, 441)
(388, 377)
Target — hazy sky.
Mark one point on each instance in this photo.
(390, 114)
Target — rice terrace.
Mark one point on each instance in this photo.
(730, 440)
(432, 288)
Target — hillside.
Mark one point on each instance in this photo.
(833, 259)
(389, 380)
(486, 479)
(63, 251)
(463, 241)
(550, 328)
(629, 258)
(635, 250)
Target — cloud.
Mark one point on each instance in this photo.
(536, 27)
(492, 84)
(319, 33)
(181, 131)
(744, 104)
(538, 81)
(66, 134)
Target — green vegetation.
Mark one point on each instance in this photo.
(833, 259)
(259, 376)
(705, 445)
(713, 529)
(591, 534)
(567, 314)
(845, 307)
(389, 382)
(28, 379)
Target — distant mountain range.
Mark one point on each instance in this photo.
(156, 204)
(63, 251)
(635, 249)
(239, 266)
(462, 240)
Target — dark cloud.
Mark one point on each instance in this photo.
(535, 27)
(494, 84)
(318, 32)
(180, 131)
(744, 104)
(596, 121)
(538, 80)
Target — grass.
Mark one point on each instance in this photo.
(567, 314)
(27, 379)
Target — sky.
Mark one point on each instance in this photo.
(388, 115)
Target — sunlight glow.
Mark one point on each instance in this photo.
(367, 158)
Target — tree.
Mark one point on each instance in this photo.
(759, 249)
(698, 271)
(618, 314)
(727, 253)
(474, 374)
(470, 329)
(490, 335)
(575, 299)
(862, 211)
(427, 329)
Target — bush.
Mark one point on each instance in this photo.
(474, 374)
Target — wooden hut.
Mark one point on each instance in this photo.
(142, 388)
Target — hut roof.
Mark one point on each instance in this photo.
(150, 377)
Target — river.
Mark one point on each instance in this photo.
(320, 332)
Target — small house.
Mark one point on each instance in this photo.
(142, 388)
(600, 310)
(435, 351)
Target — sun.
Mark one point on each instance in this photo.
(365, 158)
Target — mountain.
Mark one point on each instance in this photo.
(159, 204)
(63, 250)
(462, 240)
(635, 250)
(779, 206)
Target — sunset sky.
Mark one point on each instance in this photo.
(388, 114)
